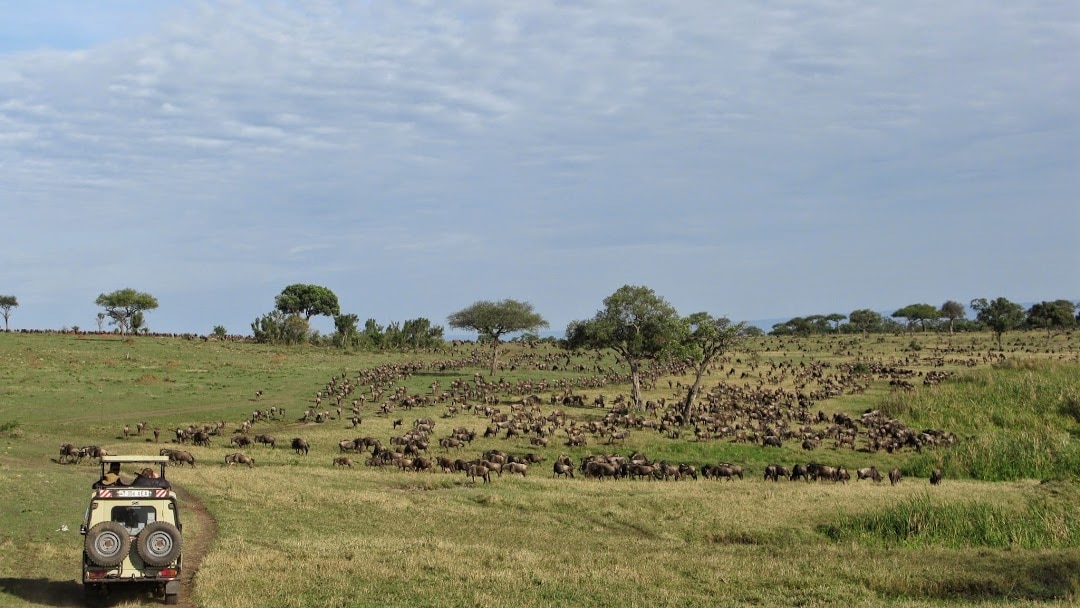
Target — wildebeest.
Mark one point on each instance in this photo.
(894, 476)
(342, 461)
(774, 472)
(868, 473)
(265, 440)
(517, 467)
(479, 470)
(723, 470)
(299, 445)
(240, 441)
(179, 457)
(799, 470)
(936, 476)
(238, 458)
(70, 454)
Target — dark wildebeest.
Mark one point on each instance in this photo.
(936, 476)
(342, 461)
(299, 445)
(774, 472)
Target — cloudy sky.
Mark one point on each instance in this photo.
(755, 160)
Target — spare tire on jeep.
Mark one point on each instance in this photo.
(107, 544)
(159, 544)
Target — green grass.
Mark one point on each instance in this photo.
(1043, 523)
(296, 532)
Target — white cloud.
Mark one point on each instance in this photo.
(398, 139)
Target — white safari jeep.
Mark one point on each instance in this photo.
(132, 530)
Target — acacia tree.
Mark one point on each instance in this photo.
(917, 313)
(865, 319)
(1057, 315)
(637, 324)
(952, 311)
(493, 320)
(307, 300)
(6, 304)
(123, 304)
(707, 339)
(1000, 316)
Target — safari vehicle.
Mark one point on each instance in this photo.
(132, 530)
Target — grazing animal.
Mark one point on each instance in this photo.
(238, 458)
(894, 476)
(774, 472)
(517, 467)
(868, 473)
(799, 470)
(299, 445)
(936, 476)
(343, 461)
(479, 470)
(561, 468)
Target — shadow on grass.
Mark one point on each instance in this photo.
(43, 591)
(1035, 578)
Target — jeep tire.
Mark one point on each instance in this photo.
(159, 544)
(107, 544)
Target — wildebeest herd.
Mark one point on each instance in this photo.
(762, 412)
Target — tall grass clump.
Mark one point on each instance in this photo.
(918, 522)
(1016, 421)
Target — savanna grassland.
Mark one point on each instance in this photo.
(1003, 528)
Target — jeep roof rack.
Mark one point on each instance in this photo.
(133, 458)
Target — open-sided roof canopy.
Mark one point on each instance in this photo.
(134, 458)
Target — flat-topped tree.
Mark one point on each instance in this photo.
(637, 324)
(307, 300)
(123, 304)
(493, 320)
(6, 304)
(952, 310)
(917, 313)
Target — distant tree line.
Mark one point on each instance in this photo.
(998, 315)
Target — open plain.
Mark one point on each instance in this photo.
(298, 530)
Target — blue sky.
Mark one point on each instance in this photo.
(755, 160)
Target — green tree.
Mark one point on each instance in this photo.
(493, 320)
(865, 320)
(1000, 315)
(708, 338)
(917, 313)
(836, 319)
(123, 304)
(372, 334)
(220, 332)
(307, 300)
(1058, 315)
(278, 328)
(637, 324)
(345, 334)
(952, 311)
(420, 333)
(6, 304)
